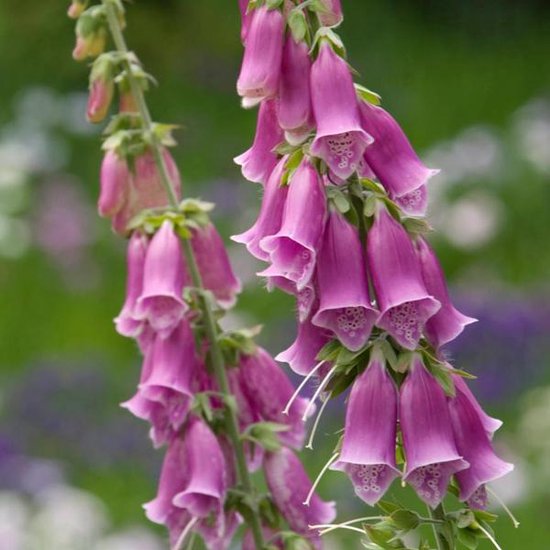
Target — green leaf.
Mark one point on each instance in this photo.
(388, 507)
(368, 95)
(265, 435)
(464, 518)
(329, 352)
(468, 538)
(405, 520)
(273, 4)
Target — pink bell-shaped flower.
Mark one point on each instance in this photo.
(428, 440)
(404, 302)
(341, 139)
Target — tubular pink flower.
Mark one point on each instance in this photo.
(99, 101)
(245, 19)
(473, 443)
(113, 185)
(344, 304)
(125, 193)
(289, 485)
(302, 354)
(368, 448)
(258, 162)
(293, 249)
(271, 214)
(394, 161)
(214, 266)
(127, 324)
(173, 368)
(428, 441)
(340, 140)
(448, 322)
(403, 300)
(490, 424)
(332, 15)
(294, 109)
(161, 302)
(204, 492)
(261, 67)
(268, 390)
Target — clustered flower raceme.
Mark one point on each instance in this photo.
(179, 393)
(341, 228)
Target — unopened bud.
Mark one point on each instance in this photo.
(76, 8)
(91, 35)
(101, 89)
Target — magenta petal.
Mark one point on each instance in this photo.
(344, 304)
(490, 424)
(206, 484)
(173, 365)
(474, 444)
(127, 324)
(113, 185)
(245, 19)
(448, 322)
(173, 478)
(271, 214)
(261, 67)
(289, 485)
(161, 302)
(214, 266)
(404, 302)
(258, 162)
(368, 448)
(340, 140)
(294, 109)
(293, 249)
(414, 203)
(391, 156)
(428, 440)
(302, 354)
(268, 390)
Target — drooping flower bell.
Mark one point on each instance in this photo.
(125, 193)
(161, 301)
(448, 322)
(368, 448)
(293, 249)
(127, 322)
(394, 161)
(404, 302)
(214, 265)
(302, 353)
(331, 14)
(294, 110)
(344, 304)
(258, 162)
(340, 140)
(289, 485)
(270, 216)
(473, 443)
(305, 298)
(268, 390)
(261, 67)
(428, 440)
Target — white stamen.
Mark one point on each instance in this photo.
(185, 532)
(319, 391)
(333, 526)
(302, 385)
(489, 536)
(318, 480)
(316, 423)
(515, 522)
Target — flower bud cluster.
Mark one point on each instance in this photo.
(180, 282)
(342, 228)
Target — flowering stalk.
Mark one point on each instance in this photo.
(206, 393)
(345, 197)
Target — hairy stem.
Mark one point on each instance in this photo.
(218, 363)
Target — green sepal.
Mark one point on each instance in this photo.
(297, 24)
(338, 198)
(269, 513)
(388, 507)
(273, 4)
(265, 435)
(417, 226)
(328, 35)
(368, 95)
(294, 541)
(329, 352)
(291, 165)
(405, 520)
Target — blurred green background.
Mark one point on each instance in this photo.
(470, 83)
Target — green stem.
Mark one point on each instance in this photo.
(438, 514)
(218, 363)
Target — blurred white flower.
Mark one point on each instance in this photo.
(14, 515)
(135, 538)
